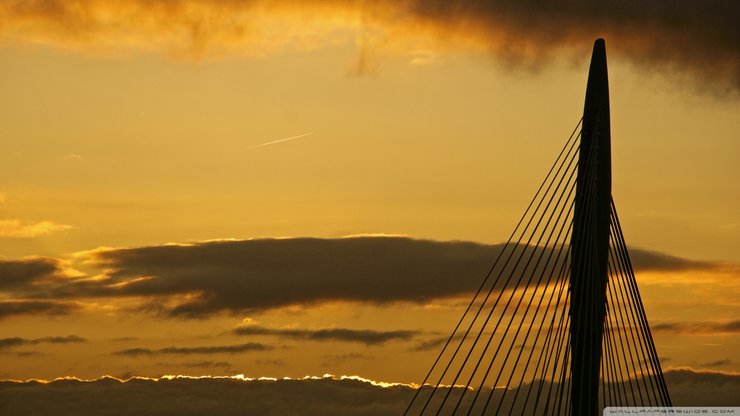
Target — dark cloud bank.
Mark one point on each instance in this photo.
(701, 39)
(20, 273)
(283, 397)
(24, 274)
(18, 342)
(364, 336)
(36, 307)
(700, 327)
(209, 349)
(698, 38)
(256, 275)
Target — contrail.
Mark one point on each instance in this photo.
(280, 140)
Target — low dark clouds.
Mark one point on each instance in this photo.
(717, 363)
(217, 365)
(200, 279)
(702, 327)
(211, 349)
(435, 343)
(691, 387)
(331, 397)
(36, 307)
(254, 275)
(332, 360)
(17, 341)
(364, 336)
(19, 273)
(203, 397)
(648, 260)
(26, 275)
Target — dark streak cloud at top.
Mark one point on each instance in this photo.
(700, 39)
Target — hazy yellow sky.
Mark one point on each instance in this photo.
(137, 124)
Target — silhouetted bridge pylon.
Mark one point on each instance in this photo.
(557, 326)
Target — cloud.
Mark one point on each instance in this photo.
(702, 327)
(36, 307)
(717, 363)
(256, 275)
(434, 343)
(124, 339)
(73, 156)
(27, 353)
(337, 359)
(199, 279)
(649, 260)
(431, 344)
(222, 365)
(274, 362)
(666, 36)
(11, 342)
(24, 229)
(330, 396)
(364, 336)
(212, 349)
(708, 388)
(18, 273)
(16, 341)
(212, 396)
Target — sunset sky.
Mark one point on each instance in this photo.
(154, 220)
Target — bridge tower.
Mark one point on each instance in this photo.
(590, 239)
(557, 326)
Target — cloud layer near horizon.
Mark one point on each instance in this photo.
(209, 349)
(698, 328)
(325, 396)
(18, 341)
(363, 336)
(197, 280)
(664, 36)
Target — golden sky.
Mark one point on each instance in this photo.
(147, 140)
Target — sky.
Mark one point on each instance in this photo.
(299, 188)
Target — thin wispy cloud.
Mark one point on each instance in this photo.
(280, 141)
(209, 349)
(73, 156)
(18, 341)
(698, 327)
(364, 336)
(24, 229)
(36, 307)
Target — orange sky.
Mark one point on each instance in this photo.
(135, 124)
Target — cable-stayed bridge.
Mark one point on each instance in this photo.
(557, 327)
